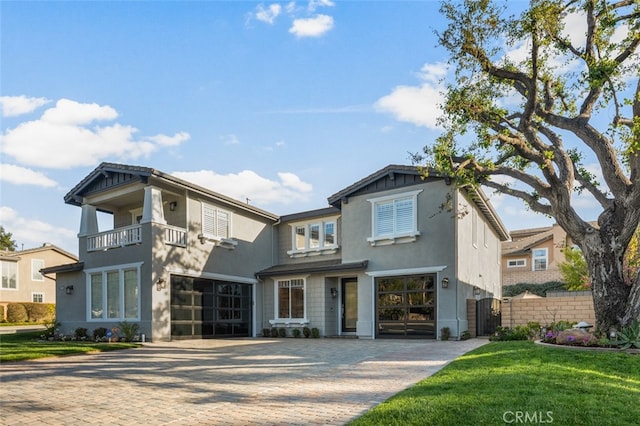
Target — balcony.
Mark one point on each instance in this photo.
(130, 235)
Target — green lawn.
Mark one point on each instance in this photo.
(24, 346)
(517, 383)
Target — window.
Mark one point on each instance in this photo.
(9, 275)
(37, 297)
(215, 222)
(114, 294)
(314, 238)
(290, 299)
(36, 265)
(539, 259)
(394, 218)
(516, 263)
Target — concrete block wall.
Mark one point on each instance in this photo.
(532, 277)
(547, 310)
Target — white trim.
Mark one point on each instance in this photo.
(322, 249)
(37, 292)
(289, 321)
(408, 271)
(41, 279)
(545, 257)
(524, 264)
(394, 238)
(113, 268)
(211, 275)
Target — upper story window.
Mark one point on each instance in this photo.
(216, 223)
(394, 218)
(36, 265)
(516, 263)
(114, 293)
(314, 238)
(540, 259)
(9, 275)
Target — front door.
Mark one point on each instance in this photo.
(349, 305)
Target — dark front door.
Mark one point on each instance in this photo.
(349, 305)
(203, 308)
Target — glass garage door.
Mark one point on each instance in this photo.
(406, 306)
(202, 308)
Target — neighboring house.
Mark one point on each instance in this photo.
(22, 280)
(395, 255)
(534, 255)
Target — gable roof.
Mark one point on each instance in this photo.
(8, 255)
(130, 174)
(397, 176)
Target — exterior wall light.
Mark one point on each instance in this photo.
(68, 289)
(445, 282)
(173, 205)
(334, 292)
(160, 284)
(476, 290)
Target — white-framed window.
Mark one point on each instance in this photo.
(37, 297)
(516, 263)
(113, 294)
(290, 299)
(394, 218)
(36, 265)
(318, 237)
(216, 223)
(9, 272)
(540, 259)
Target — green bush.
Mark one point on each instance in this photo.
(306, 331)
(16, 312)
(40, 312)
(266, 332)
(129, 330)
(296, 332)
(315, 333)
(99, 333)
(628, 337)
(445, 333)
(282, 332)
(81, 333)
(274, 332)
(519, 332)
(538, 289)
(2, 313)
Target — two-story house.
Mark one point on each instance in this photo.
(534, 255)
(394, 255)
(22, 280)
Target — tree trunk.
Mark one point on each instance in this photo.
(615, 304)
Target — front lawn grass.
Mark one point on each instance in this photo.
(25, 346)
(520, 382)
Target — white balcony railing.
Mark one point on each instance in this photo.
(172, 235)
(116, 238)
(175, 236)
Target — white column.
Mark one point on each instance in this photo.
(152, 210)
(88, 221)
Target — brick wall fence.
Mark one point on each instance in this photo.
(572, 306)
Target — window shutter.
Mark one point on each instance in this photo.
(384, 219)
(208, 221)
(222, 224)
(404, 216)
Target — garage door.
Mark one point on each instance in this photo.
(203, 308)
(406, 306)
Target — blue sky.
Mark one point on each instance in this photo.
(281, 103)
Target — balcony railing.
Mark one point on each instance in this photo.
(172, 235)
(116, 238)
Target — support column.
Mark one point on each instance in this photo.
(152, 210)
(88, 221)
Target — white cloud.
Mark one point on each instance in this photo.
(18, 105)
(33, 233)
(269, 14)
(419, 105)
(66, 136)
(314, 4)
(248, 184)
(230, 139)
(22, 176)
(311, 27)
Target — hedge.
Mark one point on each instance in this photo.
(31, 312)
(1, 313)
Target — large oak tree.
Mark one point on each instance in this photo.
(527, 124)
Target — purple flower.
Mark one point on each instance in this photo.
(571, 339)
(549, 334)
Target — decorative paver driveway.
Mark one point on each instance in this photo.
(225, 382)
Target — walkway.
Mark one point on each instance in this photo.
(220, 382)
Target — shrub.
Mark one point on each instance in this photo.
(81, 333)
(40, 312)
(129, 330)
(51, 327)
(445, 333)
(465, 335)
(628, 337)
(538, 289)
(266, 332)
(99, 333)
(2, 313)
(306, 331)
(315, 333)
(282, 332)
(16, 312)
(506, 334)
(296, 332)
(274, 332)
